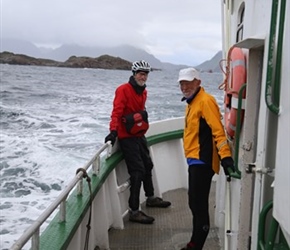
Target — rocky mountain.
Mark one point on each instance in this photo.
(125, 52)
(102, 62)
(212, 65)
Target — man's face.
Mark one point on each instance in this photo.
(188, 88)
(141, 77)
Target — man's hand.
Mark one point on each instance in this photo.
(228, 163)
(111, 137)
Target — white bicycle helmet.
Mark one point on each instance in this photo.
(141, 66)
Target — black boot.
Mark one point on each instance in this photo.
(140, 217)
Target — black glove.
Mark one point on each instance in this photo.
(228, 163)
(111, 137)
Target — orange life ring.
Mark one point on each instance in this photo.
(236, 78)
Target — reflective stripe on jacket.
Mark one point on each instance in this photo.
(204, 136)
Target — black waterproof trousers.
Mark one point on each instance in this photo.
(199, 182)
(139, 165)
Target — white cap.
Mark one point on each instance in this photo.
(188, 74)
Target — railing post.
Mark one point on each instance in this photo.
(35, 240)
(96, 165)
(109, 150)
(62, 210)
(80, 187)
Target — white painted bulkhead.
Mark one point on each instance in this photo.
(265, 139)
(282, 173)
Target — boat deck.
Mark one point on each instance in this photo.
(171, 229)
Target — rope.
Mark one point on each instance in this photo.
(85, 175)
(225, 84)
(226, 73)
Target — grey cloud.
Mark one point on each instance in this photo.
(168, 29)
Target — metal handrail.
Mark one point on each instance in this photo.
(237, 174)
(262, 223)
(269, 243)
(272, 90)
(33, 231)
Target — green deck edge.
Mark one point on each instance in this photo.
(58, 235)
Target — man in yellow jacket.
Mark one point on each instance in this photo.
(205, 144)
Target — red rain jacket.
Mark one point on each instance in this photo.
(126, 101)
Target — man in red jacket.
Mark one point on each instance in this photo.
(129, 123)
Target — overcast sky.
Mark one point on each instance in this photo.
(176, 31)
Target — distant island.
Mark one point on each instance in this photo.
(83, 55)
(101, 62)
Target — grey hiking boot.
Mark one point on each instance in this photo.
(140, 217)
(157, 202)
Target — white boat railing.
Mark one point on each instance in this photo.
(107, 185)
(33, 232)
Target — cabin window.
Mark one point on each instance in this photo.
(240, 23)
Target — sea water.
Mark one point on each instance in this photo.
(53, 120)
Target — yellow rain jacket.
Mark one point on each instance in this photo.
(204, 136)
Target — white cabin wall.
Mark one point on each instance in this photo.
(262, 156)
(272, 143)
(257, 10)
(281, 208)
(262, 187)
(248, 143)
